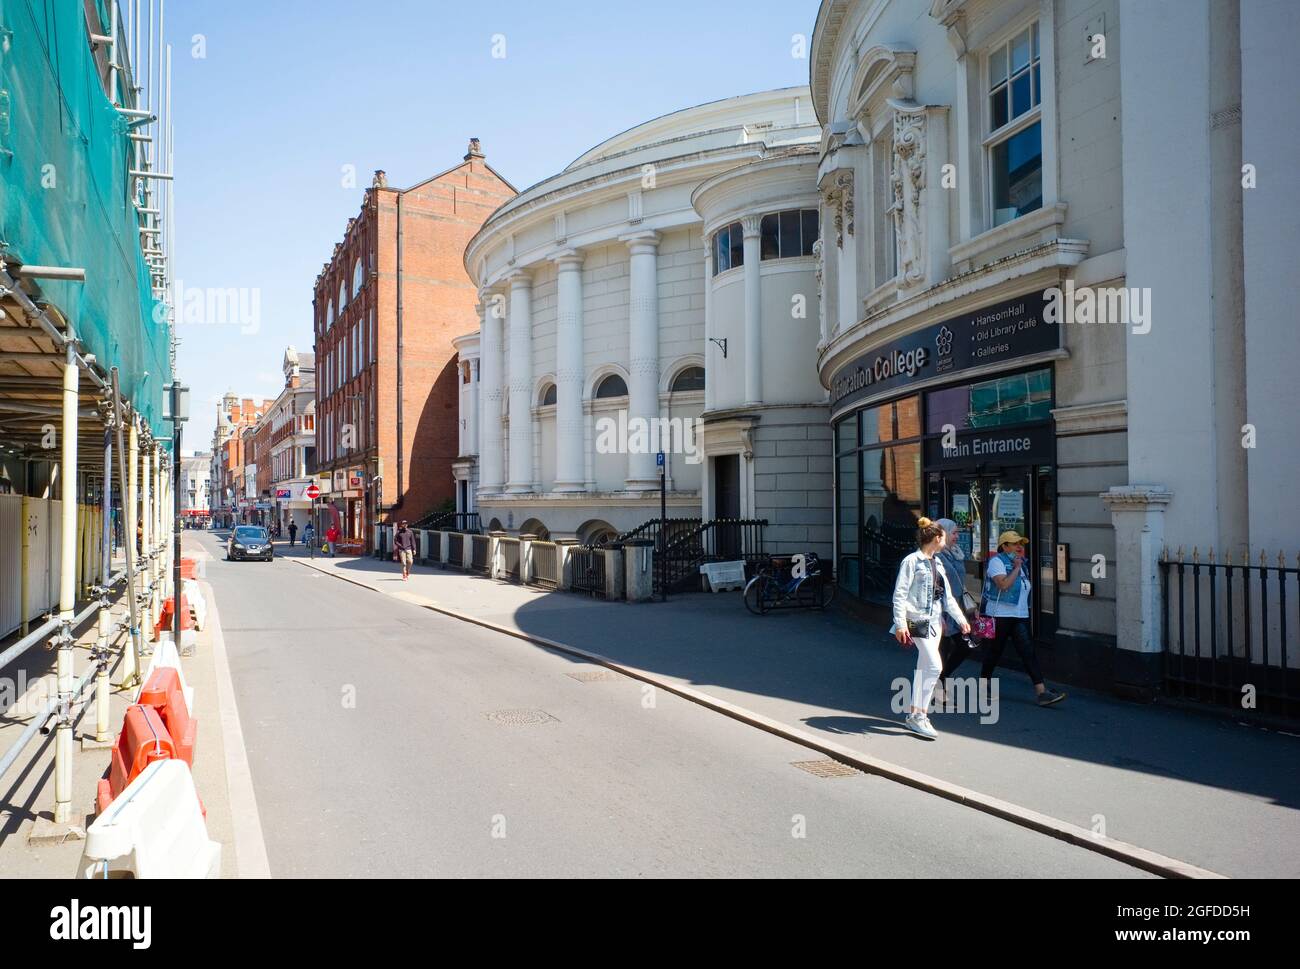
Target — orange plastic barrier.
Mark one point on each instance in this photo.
(163, 692)
(144, 739)
(165, 620)
(189, 568)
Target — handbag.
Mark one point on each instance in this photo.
(983, 627)
(918, 628)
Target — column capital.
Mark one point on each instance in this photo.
(751, 225)
(641, 243)
(519, 278)
(567, 259)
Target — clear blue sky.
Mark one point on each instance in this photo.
(290, 91)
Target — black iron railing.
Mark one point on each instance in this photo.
(588, 566)
(672, 527)
(456, 549)
(1232, 632)
(451, 521)
(718, 540)
(545, 570)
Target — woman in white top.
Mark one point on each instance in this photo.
(1006, 600)
(921, 598)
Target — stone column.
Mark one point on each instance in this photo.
(521, 383)
(569, 369)
(1138, 514)
(491, 446)
(753, 312)
(643, 347)
(710, 356)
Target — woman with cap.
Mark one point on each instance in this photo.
(1006, 600)
(922, 596)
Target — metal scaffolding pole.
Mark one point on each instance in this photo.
(103, 732)
(127, 462)
(67, 592)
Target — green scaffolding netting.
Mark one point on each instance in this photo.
(65, 193)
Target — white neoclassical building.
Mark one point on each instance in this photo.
(993, 161)
(668, 273)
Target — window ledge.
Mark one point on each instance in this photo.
(881, 295)
(1041, 225)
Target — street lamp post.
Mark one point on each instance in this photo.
(178, 398)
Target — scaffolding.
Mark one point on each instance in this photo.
(87, 343)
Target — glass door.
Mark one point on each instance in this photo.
(985, 506)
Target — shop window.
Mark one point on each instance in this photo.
(728, 248)
(846, 435)
(1013, 399)
(895, 421)
(785, 235)
(891, 504)
(692, 378)
(1015, 141)
(848, 570)
(611, 386)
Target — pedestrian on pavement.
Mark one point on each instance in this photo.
(1006, 600)
(955, 645)
(309, 534)
(332, 539)
(293, 532)
(921, 598)
(404, 548)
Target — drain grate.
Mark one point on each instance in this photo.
(519, 718)
(593, 676)
(825, 768)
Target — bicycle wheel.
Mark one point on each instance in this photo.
(758, 595)
(825, 592)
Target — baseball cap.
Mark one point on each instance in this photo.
(1013, 538)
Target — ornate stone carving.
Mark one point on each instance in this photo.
(908, 181)
(845, 183)
(821, 265)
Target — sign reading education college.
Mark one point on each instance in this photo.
(1003, 331)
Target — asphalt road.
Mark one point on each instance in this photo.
(385, 740)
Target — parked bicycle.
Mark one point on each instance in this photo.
(805, 587)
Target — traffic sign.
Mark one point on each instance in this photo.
(659, 462)
(312, 492)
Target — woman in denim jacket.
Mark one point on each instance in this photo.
(922, 596)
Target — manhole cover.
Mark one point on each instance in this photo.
(592, 676)
(825, 768)
(518, 718)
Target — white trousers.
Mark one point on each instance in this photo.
(928, 667)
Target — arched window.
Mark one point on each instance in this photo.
(358, 278)
(785, 235)
(692, 378)
(329, 315)
(343, 295)
(611, 386)
(728, 248)
(548, 395)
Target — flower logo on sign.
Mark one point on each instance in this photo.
(944, 341)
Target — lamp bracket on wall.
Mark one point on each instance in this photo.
(722, 345)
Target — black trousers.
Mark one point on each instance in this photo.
(1017, 630)
(952, 651)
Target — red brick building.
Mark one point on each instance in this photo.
(387, 306)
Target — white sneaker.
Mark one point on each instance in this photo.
(920, 725)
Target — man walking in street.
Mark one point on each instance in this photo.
(404, 548)
(293, 532)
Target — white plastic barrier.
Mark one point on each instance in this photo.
(198, 605)
(724, 575)
(154, 829)
(164, 654)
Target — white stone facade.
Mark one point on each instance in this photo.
(596, 298)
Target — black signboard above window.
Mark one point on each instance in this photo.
(993, 334)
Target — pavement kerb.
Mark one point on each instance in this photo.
(1121, 851)
(246, 824)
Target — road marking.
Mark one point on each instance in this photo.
(1122, 851)
(250, 847)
